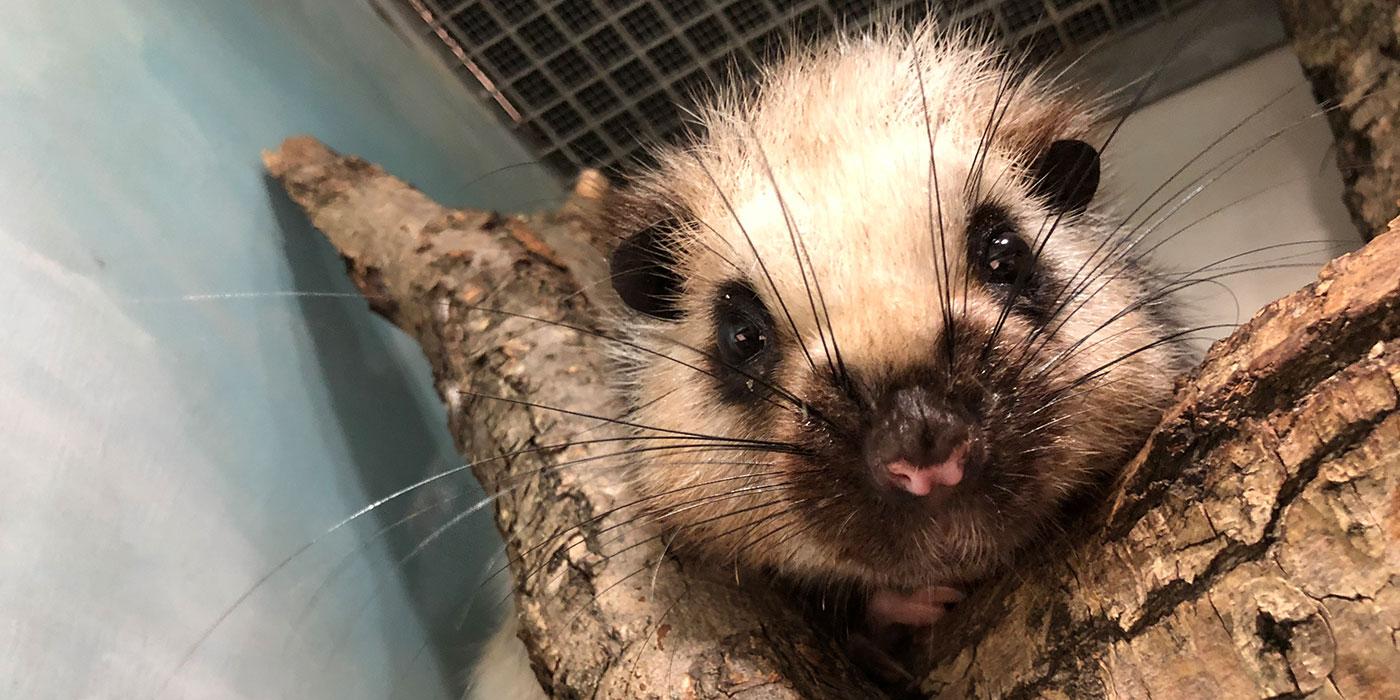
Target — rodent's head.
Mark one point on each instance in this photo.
(913, 354)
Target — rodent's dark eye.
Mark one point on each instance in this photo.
(740, 341)
(743, 341)
(998, 253)
(1006, 259)
(742, 324)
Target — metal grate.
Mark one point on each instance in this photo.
(590, 82)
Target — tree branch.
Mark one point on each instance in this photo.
(1250, 547)
(603, 611)
(1350, 50)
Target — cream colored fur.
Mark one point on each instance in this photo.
(835, 152)
(829, 174)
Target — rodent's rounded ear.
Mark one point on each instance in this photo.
(1067, 175)
(644, 272)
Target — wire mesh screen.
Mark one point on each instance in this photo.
(590, 82)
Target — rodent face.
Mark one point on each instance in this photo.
(908, 378)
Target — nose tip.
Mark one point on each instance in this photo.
(922, 479)
(917, 443)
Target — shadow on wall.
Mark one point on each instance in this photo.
(394, 442)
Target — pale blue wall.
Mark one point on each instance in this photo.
(161, 454)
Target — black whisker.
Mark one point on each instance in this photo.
(625, 423)
(935, 199)
(1171, 338)
(1113, 134)
(776, 389)
(1175, 286)
(644, 567)
(520, 558)
(799, 250)
(657, 518)
(1212, 175)
(778, 296)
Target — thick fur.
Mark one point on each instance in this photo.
(818, 193)
(842, 191)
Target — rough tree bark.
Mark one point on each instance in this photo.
(1350, 50)
(1253, 545)
(1250, 548)
(604, 611)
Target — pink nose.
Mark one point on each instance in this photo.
(922, 479)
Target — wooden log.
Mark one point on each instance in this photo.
(1350, 50)
(1251, 547)
(603, 611)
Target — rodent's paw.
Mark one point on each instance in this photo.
(897, 623)
(920, 608)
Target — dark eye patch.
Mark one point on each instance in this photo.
(744, 355)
